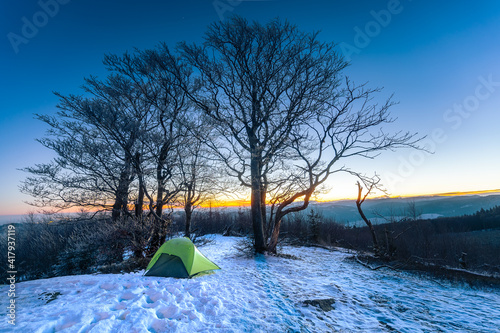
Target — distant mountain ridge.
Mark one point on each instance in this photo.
(345, 211)
(426, 207)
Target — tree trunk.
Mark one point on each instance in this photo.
(256, 205)
(273, 241)
(163, 230)
(263, 193)
(160, 189)
(121, 197)
(158, 225)
(140, 198)
(160, 178)
(117, 208)
(140, 202)
(370, 226)
(359, 201)
(189, 213)
(158, 221)
(159, 203)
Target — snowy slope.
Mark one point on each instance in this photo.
(254, 295)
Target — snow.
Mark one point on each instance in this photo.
(263, 294)
(429, 216)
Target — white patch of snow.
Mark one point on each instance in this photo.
(263, 294)
(429, 216)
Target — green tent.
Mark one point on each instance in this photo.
(178, 258)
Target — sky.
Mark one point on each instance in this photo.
(441, 60)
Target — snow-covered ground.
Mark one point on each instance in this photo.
(265, 294)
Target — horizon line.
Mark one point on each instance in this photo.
(246, 203)
(417, 195)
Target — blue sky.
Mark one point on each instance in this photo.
(441, 61)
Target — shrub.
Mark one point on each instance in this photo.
(68, 247)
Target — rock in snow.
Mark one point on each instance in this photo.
(263, 294)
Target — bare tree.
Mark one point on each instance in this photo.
(201, 172)
(411, 210)
(93, 138)
(370, 185)
(124, 120)
(168, 105)
(284, 112)
(198, 182)
(126, 138)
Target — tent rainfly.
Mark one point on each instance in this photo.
(178, 258)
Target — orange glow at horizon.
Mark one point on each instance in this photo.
(224, 203)
(246, 202)
(420, 194)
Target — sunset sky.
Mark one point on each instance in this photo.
(441, 60)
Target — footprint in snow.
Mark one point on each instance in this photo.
(119, 306)
(153, 296)
(126, 296)
(167, 312)
(100, 316)
(108, 286)
(124, 315)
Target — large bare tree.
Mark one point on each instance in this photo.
(285, 113)
(93, 138)
(168, 103)
(127, 137)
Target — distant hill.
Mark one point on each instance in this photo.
(6, 219)
(428, 207)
